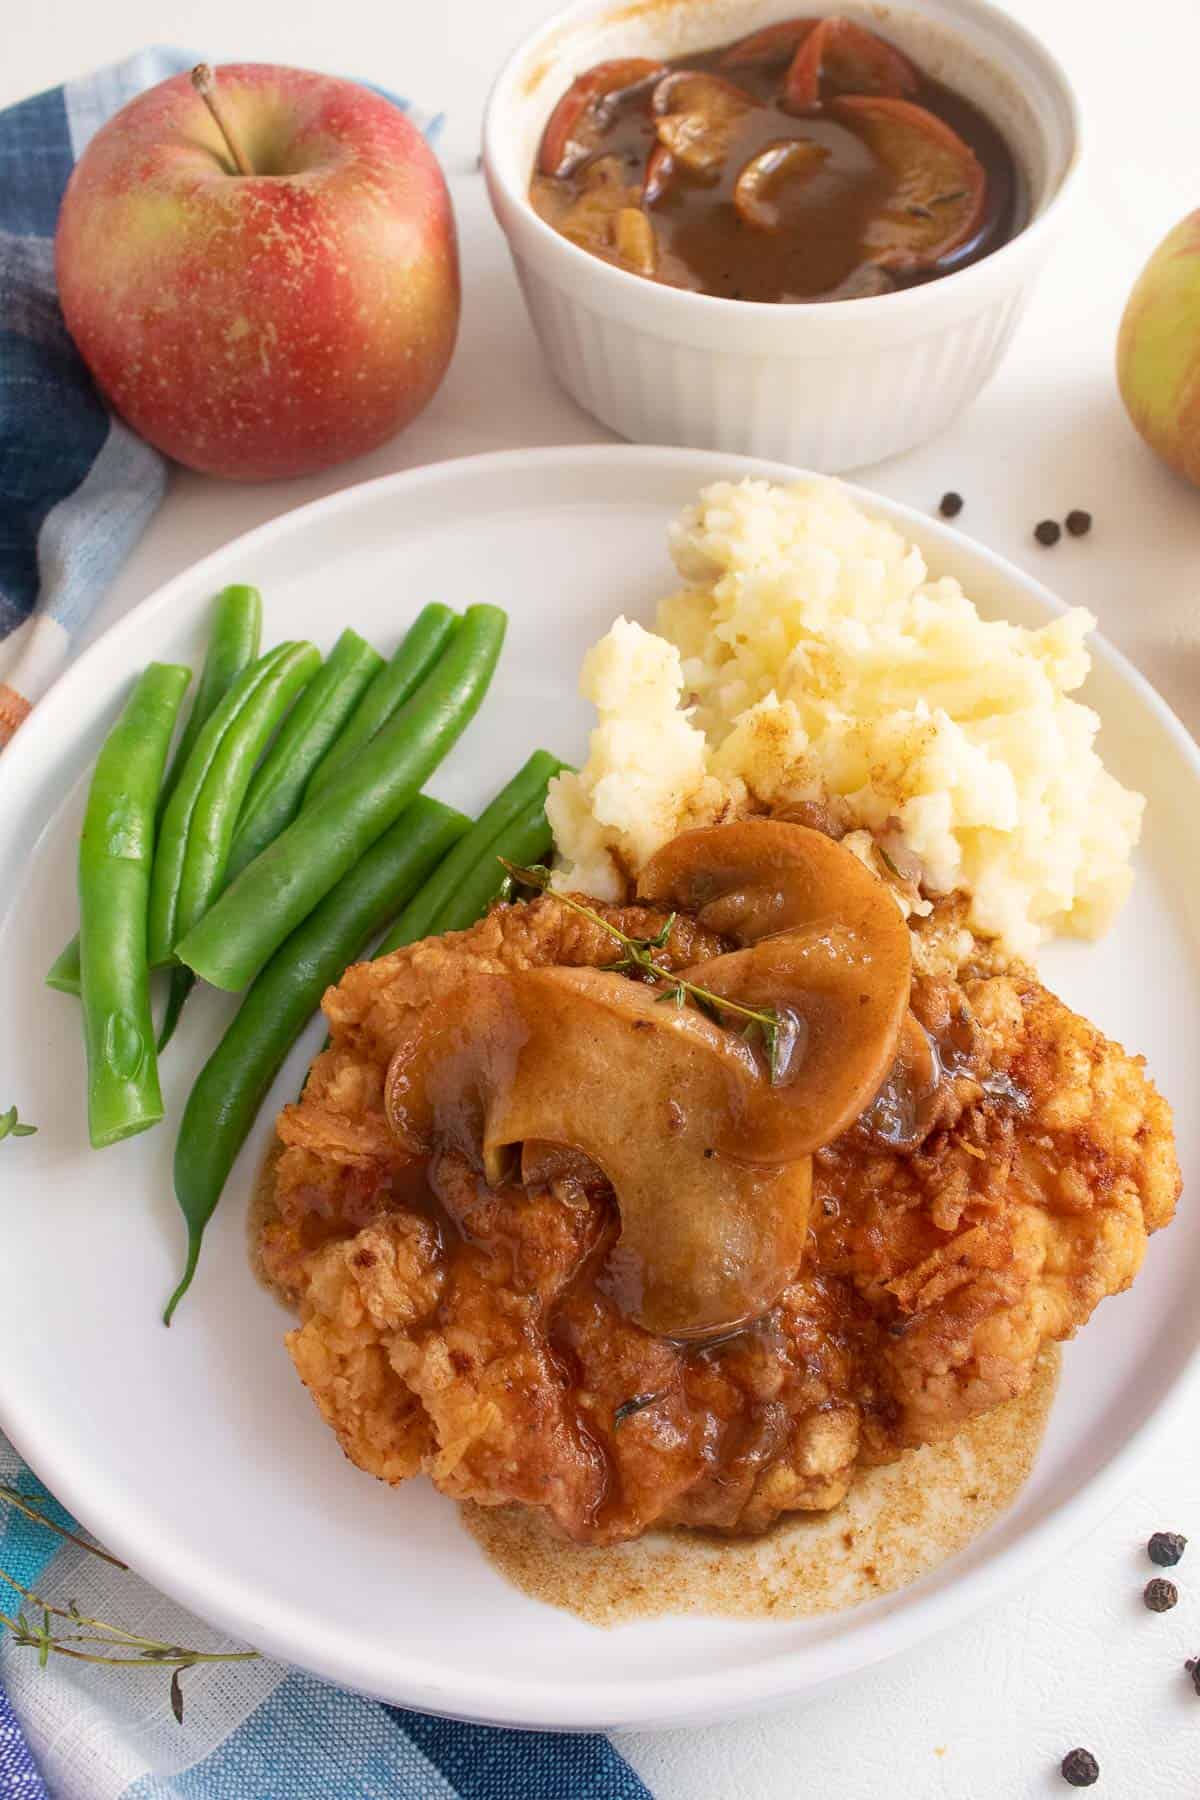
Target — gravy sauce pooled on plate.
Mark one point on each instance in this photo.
(896, 1524)
(811, 161)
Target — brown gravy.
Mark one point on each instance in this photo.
(896, 1524)
(823, 236)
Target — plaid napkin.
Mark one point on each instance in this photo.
(76, 487)
(250, 1730)
(76, 491)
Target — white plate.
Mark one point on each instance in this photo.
(196, 1454)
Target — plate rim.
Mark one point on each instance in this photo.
(535, 1703)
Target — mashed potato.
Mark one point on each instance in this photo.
(808, 655)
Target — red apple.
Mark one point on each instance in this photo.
(268, 323)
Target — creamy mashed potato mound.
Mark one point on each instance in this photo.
(808, 654)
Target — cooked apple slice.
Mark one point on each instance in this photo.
(577, 122)
(697, 118)
(774, 44)
(634, 239)
(841, 58)
(787, 163)
(587, 1061)
(824, 943)
(894, 1115)
(707, 1240)
(591, 220)
(705, 1139)
(660, 166)
(940, 187)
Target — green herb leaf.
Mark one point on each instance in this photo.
(673, 996)
(635, 1404)
(12, 1126)
(94, 1641)
(660, 941)
(639, 955)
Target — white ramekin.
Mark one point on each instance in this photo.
(830, 385)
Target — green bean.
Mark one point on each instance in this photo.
(171, 848)
(175, 833)
(461, 888)
(427, 639)
(524, 840)
(273, 797)
(215, 815)
(313, 725)
(211, 828)
(465, 883)
(116, 850)
(179, 985)
(328, 836)
(232, 645)
(234, 1081)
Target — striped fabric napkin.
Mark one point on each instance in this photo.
(76, 487)
(76, 491)
(250, 1730)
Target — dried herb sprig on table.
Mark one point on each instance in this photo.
(94, 1640)
(23, 1504)
(12, 1126)
(776, 1030)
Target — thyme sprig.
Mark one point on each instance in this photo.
(94, 1640)
(24, 1504)
(12, 1126)
(775, 1029)
(636, 1403)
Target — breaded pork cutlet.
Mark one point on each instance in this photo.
(471, 1331)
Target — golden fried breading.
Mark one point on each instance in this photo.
(470, 1333)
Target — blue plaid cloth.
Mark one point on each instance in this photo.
(76, 487)
(250, 1730)
(76, 490)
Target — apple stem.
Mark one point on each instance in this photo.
(205, 84)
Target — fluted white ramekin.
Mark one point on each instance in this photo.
(831, 385)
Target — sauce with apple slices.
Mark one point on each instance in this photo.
(809, 161)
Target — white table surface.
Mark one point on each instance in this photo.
(985, 1711)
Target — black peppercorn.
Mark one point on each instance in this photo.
(1048, 532)
(1079, 523)
(1192, 1665)
(1160, 1595)
(1165, 1548)
(1079, 1768)
(950, 505)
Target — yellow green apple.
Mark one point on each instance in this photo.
(1158, 350)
